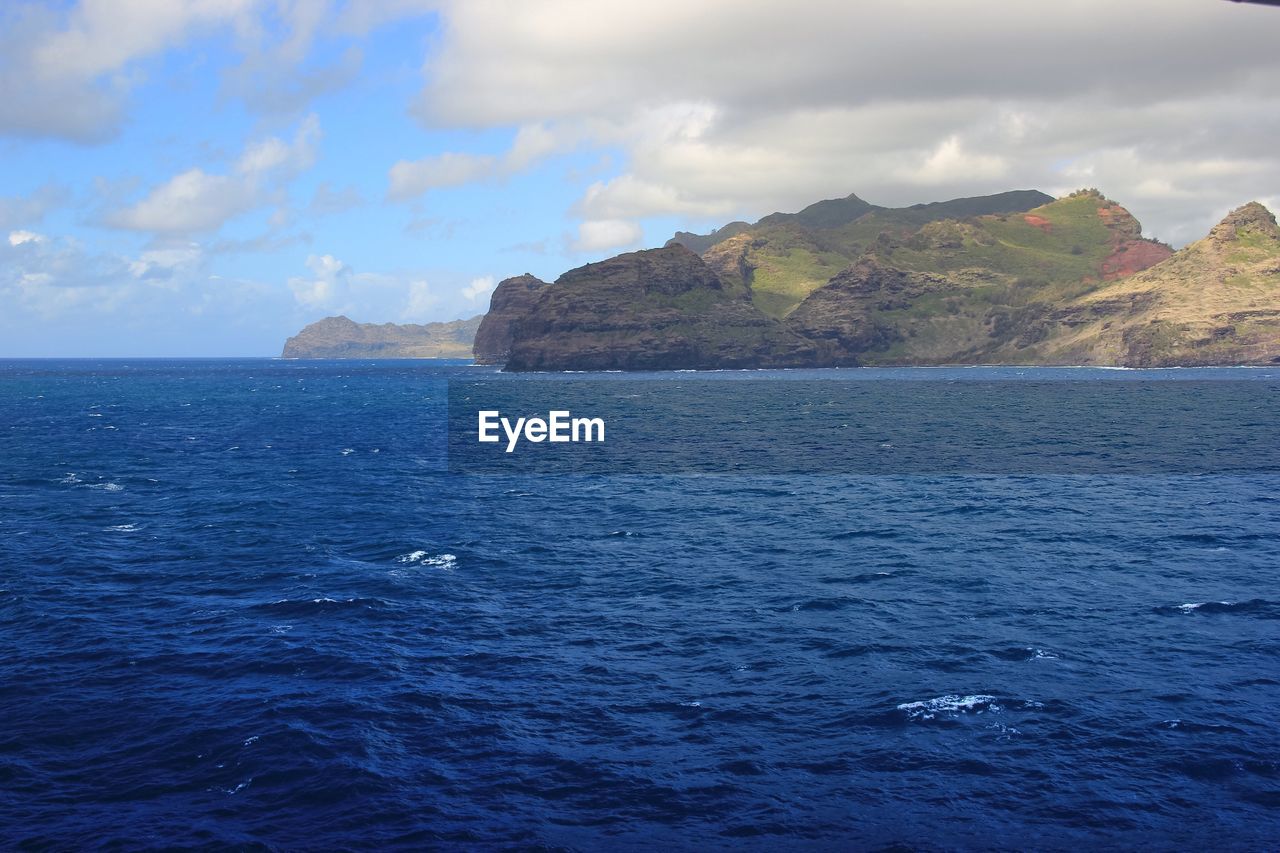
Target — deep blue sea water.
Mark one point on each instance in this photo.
(246, 604)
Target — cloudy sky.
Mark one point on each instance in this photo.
(204, 177)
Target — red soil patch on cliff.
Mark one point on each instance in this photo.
(1037, 221)
(1133, 256)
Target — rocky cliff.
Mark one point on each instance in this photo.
(982, 289)
(1071, 282)
(1215, 302)
(511, 300)
(1065, 281)
(1013, 278)
(340, 337)
(659, 309)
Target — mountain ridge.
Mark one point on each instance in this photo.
(1011, 278)
(1065, 281)
(342, 337)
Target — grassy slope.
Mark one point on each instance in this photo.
(1216, 301)
(1004, 271)
(1030, 287)
(791, 261)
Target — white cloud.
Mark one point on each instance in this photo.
(327, 199)
(31, 208)
(531, 144)
(66, 69)
(164, 263)
(61, 72)
(724, 109)
(58, 294)
(103, 35)
(412, 178)
(327, 288)
(951, 158)
(55, 277)
(196, 201)
(479, 288)
(272, 154)
(596, 235)
(506, 64)
(263, 156)
(631, 196)
(420, 303)
(333, 286)
(191, 201)
(17, 238)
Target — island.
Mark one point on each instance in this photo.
(1013, 278)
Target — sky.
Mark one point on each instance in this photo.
(206, 177)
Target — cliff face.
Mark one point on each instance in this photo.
(854, 312)
(511, 300)
(653, 310)
(1215, 302)
(977, 290)
(339, 337)
(1072, 282)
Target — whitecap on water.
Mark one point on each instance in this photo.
(1189, 608)
(424, 558)
(123, 528)
(950, 705)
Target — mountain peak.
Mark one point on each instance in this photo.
(1090, 192)
(339, 321)
(1250, 218)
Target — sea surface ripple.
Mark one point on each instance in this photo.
(243, 606)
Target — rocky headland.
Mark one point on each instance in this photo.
(1013, 278)
(340, 337)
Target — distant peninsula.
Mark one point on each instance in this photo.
(340, 337)
(1014, 278)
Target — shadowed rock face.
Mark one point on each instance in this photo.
(340, 337)
(845, 313)
(512, 299)
(653, 310)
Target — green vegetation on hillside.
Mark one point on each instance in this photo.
(789, 256)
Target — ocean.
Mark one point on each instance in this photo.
(257, 604)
